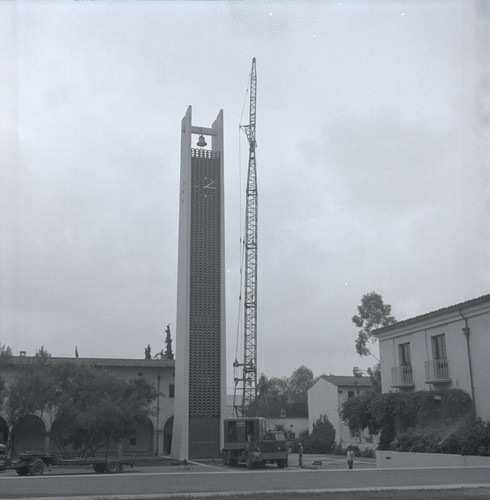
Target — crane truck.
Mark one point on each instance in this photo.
(247, 441)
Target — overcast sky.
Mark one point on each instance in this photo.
(372, 164)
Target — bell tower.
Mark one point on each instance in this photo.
(200, 375)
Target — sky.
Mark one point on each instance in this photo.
(372, 167)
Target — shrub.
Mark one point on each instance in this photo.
(468, 436)
(397, 415)
(424, 440)
(321, 439)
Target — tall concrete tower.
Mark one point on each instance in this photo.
(200, 376)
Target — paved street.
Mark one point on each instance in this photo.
(156, 481)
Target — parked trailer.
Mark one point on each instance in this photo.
(33, 464)
(3, 457)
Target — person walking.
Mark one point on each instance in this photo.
(300, 455)
(350, 457)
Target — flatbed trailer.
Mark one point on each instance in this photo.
(34, 464)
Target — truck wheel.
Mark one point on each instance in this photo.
(36, 469)
(22, 471)
(112, 467)
(99, 468)
(281, 463)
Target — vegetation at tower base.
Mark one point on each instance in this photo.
(92, 407)
(322, 437)
(424, 421)
(285, 395)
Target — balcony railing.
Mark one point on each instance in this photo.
(401, 376)
(437, 371)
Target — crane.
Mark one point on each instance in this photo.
(246, 384)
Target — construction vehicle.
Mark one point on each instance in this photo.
(247, 441)
(246, 381)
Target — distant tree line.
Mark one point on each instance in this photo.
(283, 396)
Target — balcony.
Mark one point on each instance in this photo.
(401, 376)
(437, 371)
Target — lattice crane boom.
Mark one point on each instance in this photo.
(247, 383)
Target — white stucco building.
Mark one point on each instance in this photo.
(447, 348)
(326, 397)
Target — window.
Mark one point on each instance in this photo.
(250, 430)
(132, 441)
(404, 354)
(171, 391)
(439, 347)
(350, 394)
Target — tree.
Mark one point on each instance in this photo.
(271, 397)
(168, 344)
(299, 383)
(357, 413)
(3, 391)
(93, 407)
(282, 394)
(5, 351)
(30, 392)
(42, 354)
(98, 408)
(375, 375)
(322, 437)
(373, 314)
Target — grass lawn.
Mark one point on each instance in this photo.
(456, 494)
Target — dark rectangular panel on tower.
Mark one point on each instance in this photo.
(205, 305)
